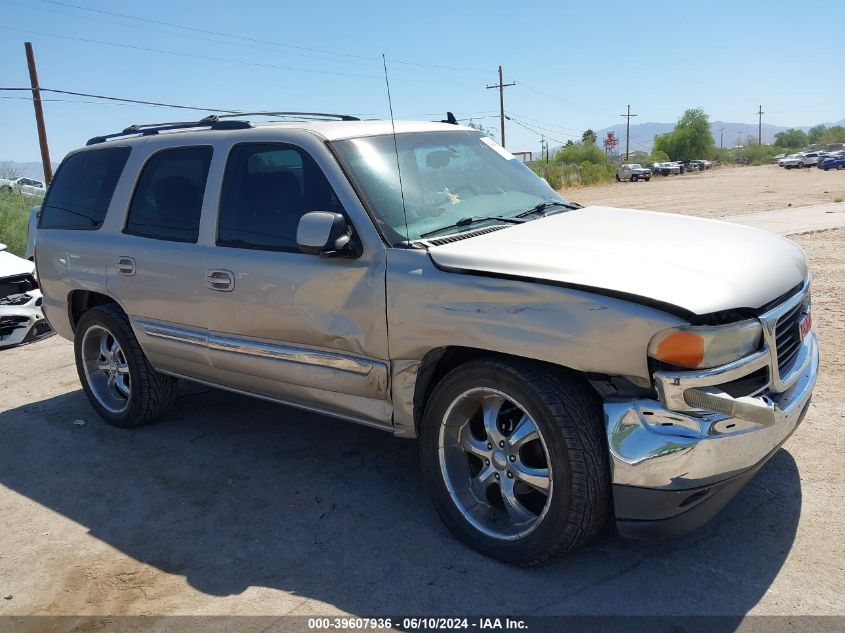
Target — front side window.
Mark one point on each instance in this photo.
(168, 199)
(446, 177)
(82, 190)
(267, 187)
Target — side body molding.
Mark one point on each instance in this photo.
(281, 371)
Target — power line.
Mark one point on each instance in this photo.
(552, 126)
(563, 99)
(120, 99)
(246, 38)
(223, 59)
(530, 129)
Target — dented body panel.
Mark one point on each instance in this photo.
(430, 308)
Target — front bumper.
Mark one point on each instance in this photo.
(22, 319)
(673, 470)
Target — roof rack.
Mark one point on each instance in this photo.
(213, 122)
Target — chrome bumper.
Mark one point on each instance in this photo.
(655, 446)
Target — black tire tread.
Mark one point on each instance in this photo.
(577, 411)
(156, 391)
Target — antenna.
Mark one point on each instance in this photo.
(396, 148)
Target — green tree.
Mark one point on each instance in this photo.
(836, 134)
(589, 137)
(816, 133)
(690, 139)
(792, 139)
(577, 153)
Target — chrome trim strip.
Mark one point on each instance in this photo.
(171, 333)
(287, 353)
(340, 362)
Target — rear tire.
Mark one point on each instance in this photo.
(634, 178)
(117, 378)
(518, 492)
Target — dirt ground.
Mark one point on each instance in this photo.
(236, 506)
(721, 191)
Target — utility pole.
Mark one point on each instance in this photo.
(501, 86)
(721, 138)
(39, 114)
(738, 138)
(628, 131)
(760, 126)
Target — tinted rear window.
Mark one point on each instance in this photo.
(168, 200)
(83, 188)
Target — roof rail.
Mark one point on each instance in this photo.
(213, 122)
(310, 115)
(149, 129)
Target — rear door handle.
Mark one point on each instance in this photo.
(223, 280)
(125, 265)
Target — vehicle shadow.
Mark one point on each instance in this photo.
(231, 492)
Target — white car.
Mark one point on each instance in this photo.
(800, 161)
(21, 317)
(27, 187)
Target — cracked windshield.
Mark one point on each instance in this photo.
(446, 178)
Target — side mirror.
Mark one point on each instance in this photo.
(325, 234)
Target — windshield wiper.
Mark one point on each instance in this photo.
(474, 220)
(541, 208)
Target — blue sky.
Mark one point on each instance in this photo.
(576, 65)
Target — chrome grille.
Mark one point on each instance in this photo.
(788, 337)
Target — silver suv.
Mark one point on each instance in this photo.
(559, 364)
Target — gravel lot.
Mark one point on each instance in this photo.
(721, 191)
(232, 505)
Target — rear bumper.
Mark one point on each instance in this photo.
(674, 470)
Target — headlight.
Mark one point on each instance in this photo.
(702, 347)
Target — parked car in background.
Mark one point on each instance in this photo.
(834, 161)
(681, 167)
(782, 162)
(776, 158)
(632, 172)
(665, 169)
(799, 161)
(21, 318)
(26, 187)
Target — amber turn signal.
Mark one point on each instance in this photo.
(681, 348)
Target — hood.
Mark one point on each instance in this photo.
(695, 264)
(11, 265)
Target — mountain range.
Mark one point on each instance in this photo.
(731, 134)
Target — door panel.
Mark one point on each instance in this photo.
(303, 325)
(301, 320)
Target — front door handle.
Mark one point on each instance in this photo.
(223, 280)
(125, 265)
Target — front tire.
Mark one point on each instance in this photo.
(634, 178)
(515, 459)
(118, 380)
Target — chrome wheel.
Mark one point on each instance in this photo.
(495, 463)
(106, 369)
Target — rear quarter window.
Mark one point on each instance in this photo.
(80, 195)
